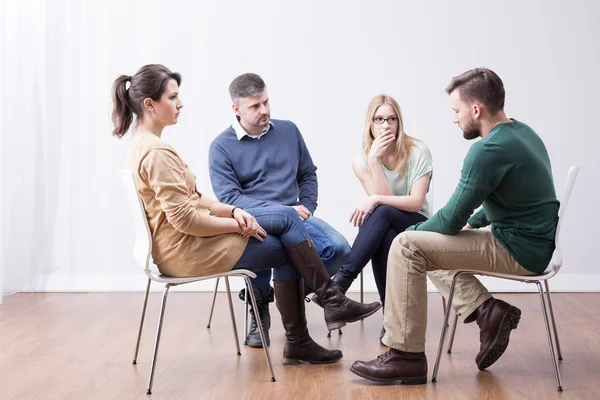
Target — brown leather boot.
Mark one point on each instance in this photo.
(395, 365)
(339, 309)
(496, 319)
(299, 346)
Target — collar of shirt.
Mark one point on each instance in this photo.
(241, 132)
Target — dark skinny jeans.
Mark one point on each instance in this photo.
(373, 242)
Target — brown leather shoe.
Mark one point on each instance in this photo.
(496, 319)
(395, 365)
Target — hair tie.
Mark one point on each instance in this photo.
(128, 80)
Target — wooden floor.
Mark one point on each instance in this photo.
(79, 346)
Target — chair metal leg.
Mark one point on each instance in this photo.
(137, 345)
(553, 321)
(247, 298)
(235, 333)
(444, 327)
(444, 304)
(362, 298)
(212, 308)
(550, 342)
(260, 327)
(158, 331)
(339, 332)
(451, 341)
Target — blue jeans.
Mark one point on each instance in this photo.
(373, 242)
(284, 230)
(331, 245)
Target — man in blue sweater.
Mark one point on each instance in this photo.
(259, 162)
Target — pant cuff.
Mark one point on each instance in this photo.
(403, 347)
(475, 305)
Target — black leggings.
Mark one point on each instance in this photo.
(373, 242)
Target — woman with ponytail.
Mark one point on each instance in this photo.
(193, 235)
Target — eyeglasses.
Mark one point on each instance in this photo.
(381, 120)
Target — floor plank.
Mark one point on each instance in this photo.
(80, 346)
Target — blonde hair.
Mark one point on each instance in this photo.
(403, 142)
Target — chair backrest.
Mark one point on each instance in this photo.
(142, 250)
(556, 261)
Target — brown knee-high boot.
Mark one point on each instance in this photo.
(299, 346)
(338, 308)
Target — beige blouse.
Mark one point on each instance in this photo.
(177, 213)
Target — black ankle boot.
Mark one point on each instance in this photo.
(299, 346)
(253, 338)
(339, 309)
(342, 282)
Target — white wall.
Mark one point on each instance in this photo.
(322, 61)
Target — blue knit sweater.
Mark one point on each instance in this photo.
(274, 170)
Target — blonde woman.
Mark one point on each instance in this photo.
(395, 170)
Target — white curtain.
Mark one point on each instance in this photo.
(3, 60)
(64, 221)
(27, 160)
(58, 158)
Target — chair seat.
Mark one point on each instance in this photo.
(549, 273)
(157, 277)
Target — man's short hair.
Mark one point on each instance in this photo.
(246, 85)
(480, 84)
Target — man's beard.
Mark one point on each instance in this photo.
(472, 130)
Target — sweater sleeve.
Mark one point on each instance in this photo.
(225, 183)
(479, 177)
(308, 186)
(165, 173)
(479, 219)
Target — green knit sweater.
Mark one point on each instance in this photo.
(509, 173)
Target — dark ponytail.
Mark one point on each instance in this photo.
(122, 116)
(149, 82)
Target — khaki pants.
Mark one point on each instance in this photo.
(414, 255)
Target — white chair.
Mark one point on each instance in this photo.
(552, 270)
(143, 257)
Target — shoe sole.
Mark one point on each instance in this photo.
(421, 380)
(339, 324)
(295, 361)
(509, 322)
(257, 345)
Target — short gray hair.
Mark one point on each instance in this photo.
(246, 85)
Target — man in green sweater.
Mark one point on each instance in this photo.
(507, 172)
